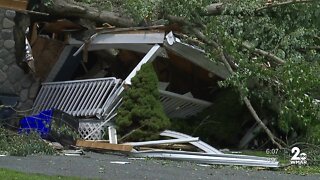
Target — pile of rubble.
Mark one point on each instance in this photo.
(205, 155)
(176, 146)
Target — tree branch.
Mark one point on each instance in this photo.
(216, 46)
(214, 9)
(203, 38)
(264, 53)
(273, 5)
(179, 20)
(264, 127)
(310, 48)
(250, 107)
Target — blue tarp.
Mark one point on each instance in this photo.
(40, 123)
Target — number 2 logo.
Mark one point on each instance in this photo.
(296, 153)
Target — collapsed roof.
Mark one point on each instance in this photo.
(152, 42)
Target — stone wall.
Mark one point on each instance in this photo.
(13, 79)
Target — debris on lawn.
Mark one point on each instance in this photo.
(212, 157)
(40, 123)
(15, 144)
(56, 145)
(52, 125)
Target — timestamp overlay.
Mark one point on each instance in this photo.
(274, 154)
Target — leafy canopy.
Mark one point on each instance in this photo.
(289, 31)
(286, 29)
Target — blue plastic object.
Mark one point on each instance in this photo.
(40, 123)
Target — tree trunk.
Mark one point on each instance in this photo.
(70, 8)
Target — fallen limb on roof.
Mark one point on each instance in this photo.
(103, 145)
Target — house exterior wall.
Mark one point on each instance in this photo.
(12, 78)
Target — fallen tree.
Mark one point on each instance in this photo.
(70, 8)
(258, 42)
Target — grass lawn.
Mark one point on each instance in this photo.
(10, 174)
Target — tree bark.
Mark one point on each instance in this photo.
(72, 9)
(214, 9)
(264, 53)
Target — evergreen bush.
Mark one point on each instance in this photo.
(141, 114)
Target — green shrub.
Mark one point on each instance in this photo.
(141, 113)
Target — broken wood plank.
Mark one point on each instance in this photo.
(103, 145)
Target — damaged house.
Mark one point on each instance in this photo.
(85, 73)
(184, 72)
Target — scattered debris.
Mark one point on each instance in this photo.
(52, 125)
(112, 135)
(73, 152)
(40, 123)
(207, 158)
(199, 144)
(55, 145)
(15, 144)
(136, 158)
(214, 156)
(204, 165)
(119, 162)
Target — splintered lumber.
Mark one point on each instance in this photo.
(103, 145)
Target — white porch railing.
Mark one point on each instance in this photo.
(77, 98)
